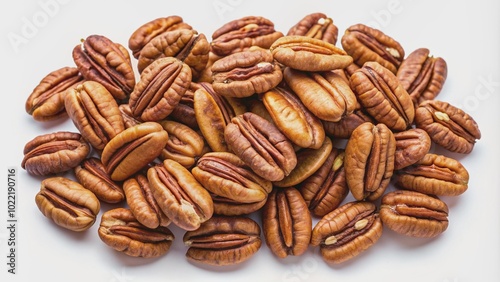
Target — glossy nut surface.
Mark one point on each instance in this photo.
(316, 25)
(184, 145)
(411, 146)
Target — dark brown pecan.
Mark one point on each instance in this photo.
(102, 60)
(347, 231)
(240, 34)
(128, 118)
(121, 231)
(184, 111)
(160, 89)
(326, 94)
(435, 175)
(133, 149)
(94, 112)
(411, 146)
(146, 32)
(369, 160)
(187, 45)
(414, 214)
(46, 101)
(179, 195)
(231, 182)
(261, 146)
(316, 25)
(223, 241)
(367, 44)
(344, 127)
(67, 203)
(142, 203)
(286, 222)
(309, 54)
(325, 190)
(448, 126)
(54, 153)
(92, 174)
(184, 145)
(245, 73)
(382, 96)
(422, 75)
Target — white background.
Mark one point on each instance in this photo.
(464, 33)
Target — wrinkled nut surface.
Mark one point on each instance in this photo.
(448, 126)
(411, 146)
(414, 214)
(187, 45)
(121, 231)
(367, 44)
(286, 223)
(67, 203)
(422, 75)
(179, 195)
(160, 88)
(325, 190)
(245, 73)
(261, 146)
(347, 231)
(369, 160)
(344, 127)
(231, 182)
(382, 96)
(326, 94)
(184, 111)
(293, 118)
(54, 153)
(316, 25)
(94, 112)
(434, 175)
(184, 145)
(146, 32)
(142, 203)
(128, 118)
(92, 174)
(46, 101)
(240, 34)
(309, 54)
(133, 149)
(223, 241)
(102, 60)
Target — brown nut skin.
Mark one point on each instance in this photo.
(54, 153)
(326, 94)
(422, 75)
(184, 111)
(92, 174)
(382, 96)
(414, 214)
(245, 73)
(128, 118)
(184, 145)
(325, 190)
(411, 146)
(179, 195)
(46, 101)
(223, 240)
(316, 25)
(133, 149)
(94, 112)
(142, 203)
(187, 45)
(286, 223)
(261, 146)
(102, 60)
(160, 88)
(309, 54)
(367, 44)
(293, 119)
(240, 34)
(434, 175)
(121, 231)
(347, 231)
(369, 160)
(146, 32)
(448, 126)
(67, 203)
(344, 127)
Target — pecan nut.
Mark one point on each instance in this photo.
(411, 146)
(184, 145)
(345, 126)
(316, 25)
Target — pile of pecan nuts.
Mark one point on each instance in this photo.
(247, 123)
